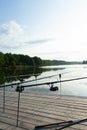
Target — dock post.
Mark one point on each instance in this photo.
(19, 89)
(4, 98)
(18, 108)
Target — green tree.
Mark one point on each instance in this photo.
(2, 61)
(37, 61)
(9, 60)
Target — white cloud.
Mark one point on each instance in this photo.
(11, 28)
(11, 34)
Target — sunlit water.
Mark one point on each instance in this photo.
(75, 88)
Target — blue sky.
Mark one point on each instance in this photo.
(50, 29)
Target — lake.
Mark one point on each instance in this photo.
(75, 88)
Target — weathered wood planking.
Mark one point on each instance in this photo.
(39, 109)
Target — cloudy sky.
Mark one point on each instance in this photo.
(50, 29)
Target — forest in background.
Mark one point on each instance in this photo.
(15, 60)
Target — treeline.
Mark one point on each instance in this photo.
(85, 62)
(54, 62)
(13, 60)
(59, 62)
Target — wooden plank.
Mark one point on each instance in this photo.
(37, 109)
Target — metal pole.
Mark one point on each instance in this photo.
(18, 108)
(60, 83)
(36, 79)
(4, 98)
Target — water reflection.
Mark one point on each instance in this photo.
(14, 74)
(54, 68)
(9, 75)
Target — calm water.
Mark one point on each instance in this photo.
(76, 88)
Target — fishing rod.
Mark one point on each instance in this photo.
(54, 82)
(32, 80)
(45, 82)
(1, 86)
(45, 77)
(28, 81)
(61, 125)
(40, 78)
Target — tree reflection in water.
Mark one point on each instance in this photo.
(15, 74)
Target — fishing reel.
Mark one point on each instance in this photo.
(53, 88)
(19, 88)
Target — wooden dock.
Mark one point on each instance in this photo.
(40, 109)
